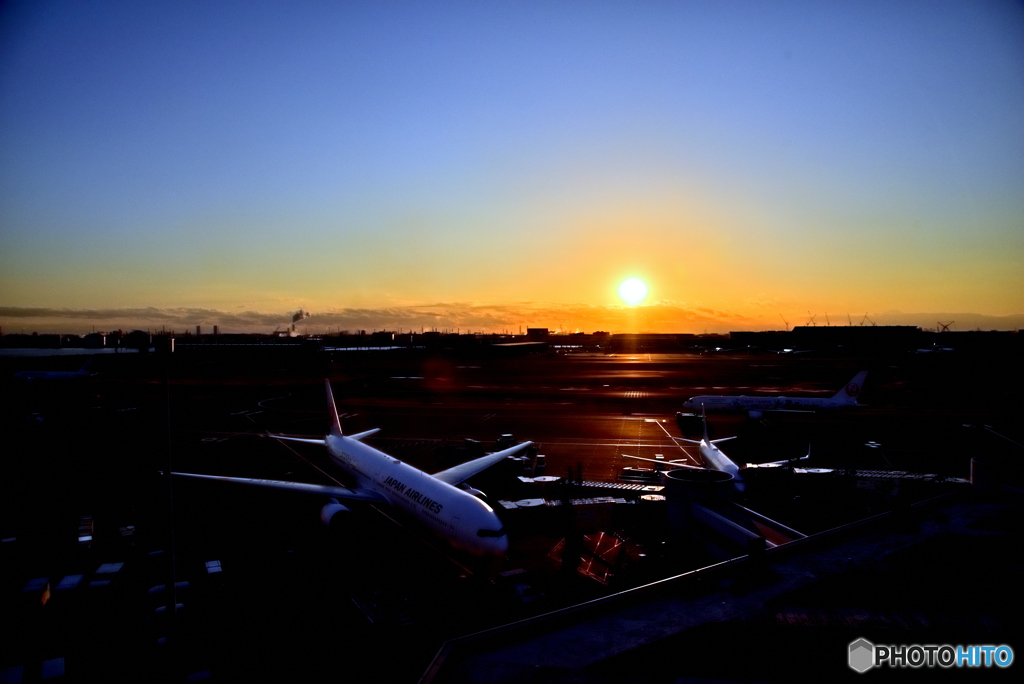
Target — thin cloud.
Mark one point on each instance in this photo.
(464, 316)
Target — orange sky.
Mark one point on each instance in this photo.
(749, 165)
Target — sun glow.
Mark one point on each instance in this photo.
(632, 291)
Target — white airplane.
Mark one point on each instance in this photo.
(715, 459)
(29, 376)
(755, 406)
(451, 509)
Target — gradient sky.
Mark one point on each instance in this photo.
(490, 165)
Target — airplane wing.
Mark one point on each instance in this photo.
(462, 472)
(359, 437)
(321, 441)
(788, 461)
(674, 463)
(785, 461)
(324, 490)
(697, 441)
(305, 440)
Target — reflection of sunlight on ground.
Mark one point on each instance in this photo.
(602, 554)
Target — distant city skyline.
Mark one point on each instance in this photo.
(467, 319)
(388, 165)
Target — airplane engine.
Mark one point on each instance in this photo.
(475, 492)
(330, 510)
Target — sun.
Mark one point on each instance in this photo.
(632, 291)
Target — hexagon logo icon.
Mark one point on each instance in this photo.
(862, 655)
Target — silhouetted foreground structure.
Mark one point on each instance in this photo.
(785, 615)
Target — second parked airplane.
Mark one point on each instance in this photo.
(714, 458)
(755, 406)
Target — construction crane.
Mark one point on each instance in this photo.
(944, 327)
(785, 322)
(810, 320)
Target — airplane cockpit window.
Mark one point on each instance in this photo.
(491, 533)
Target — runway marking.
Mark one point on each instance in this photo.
(260, 403)
(221, 432)
(622, 427)
(565, 442)
(676, 442)
(989, 428)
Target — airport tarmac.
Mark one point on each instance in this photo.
(292, 599)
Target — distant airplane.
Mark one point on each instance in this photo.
(715, 459)
(755, 406)
(793, 351)
(453, 510)
(934, 349)
(30, 376)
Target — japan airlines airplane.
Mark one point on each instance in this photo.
(442, 501)
(715, 459)
(29, 376)
(755, 406)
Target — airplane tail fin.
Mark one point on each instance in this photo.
(332, 411)
(86, 367)
(849, 393)
(707, 437)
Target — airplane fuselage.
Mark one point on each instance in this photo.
(30, 376)
(844, 398)
(779, 403)
(714, 458)
(463, 520)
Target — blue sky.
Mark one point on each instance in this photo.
(743, 158)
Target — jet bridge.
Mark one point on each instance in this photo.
(699, 508)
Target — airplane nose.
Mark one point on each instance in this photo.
(497, 546)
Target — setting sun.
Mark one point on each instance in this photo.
(632, 291)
